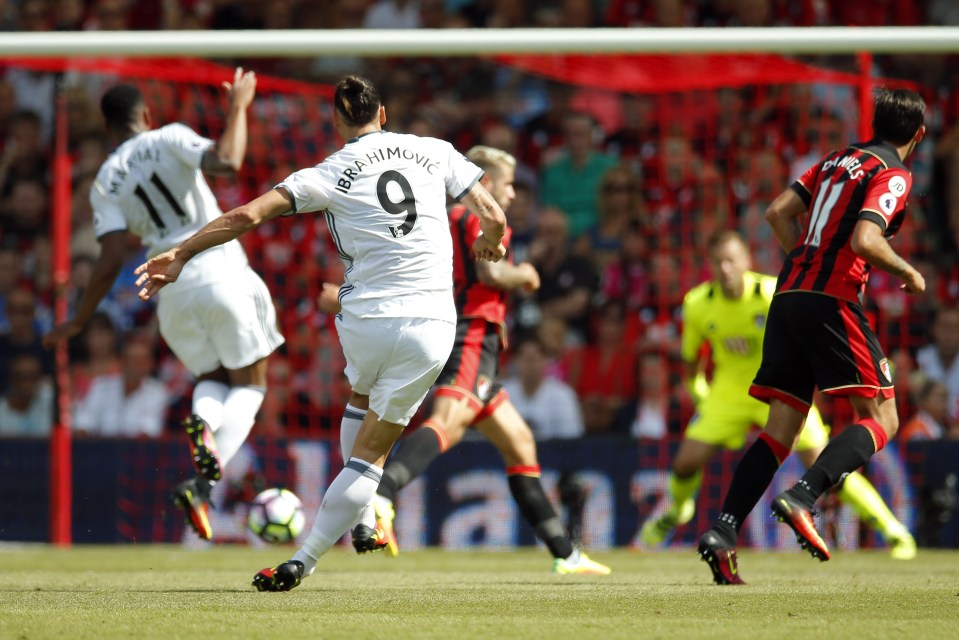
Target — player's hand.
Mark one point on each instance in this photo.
(157, 272)
(483, 249)
(62, 332)
(243, 88)
(913, 282)
(532, 276)
(329, 299)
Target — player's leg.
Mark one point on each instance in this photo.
(393, 361)
(857, 492)
(850, 363)
(460, 392)
(505, 428)
(685, 478)
(443, 430)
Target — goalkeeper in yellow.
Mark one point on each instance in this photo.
(729, 313)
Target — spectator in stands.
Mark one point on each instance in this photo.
(548, 405)
(939, 360)
(393, 14)
(9, 278)
(542, 134)
(603, 373)
(26, 212)
(626, 279)
(97, 353)
(931, 420)
(636, 141)
(24, 155)
(22, 338)
(552, 333)
(26, 407)
(571, 181)
(131, 403)
(620, 205)
(567, 281)
(654, 407)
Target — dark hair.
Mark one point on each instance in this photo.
(898, 115)
(119, 105)
(357, 100)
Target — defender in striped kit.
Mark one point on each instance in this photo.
(817, 334)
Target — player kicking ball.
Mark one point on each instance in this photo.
(384, 198)
(466, 393)
(728, 314)
(817, 334)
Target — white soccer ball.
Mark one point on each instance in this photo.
(276, 515)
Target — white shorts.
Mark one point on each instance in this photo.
(230, 323)
(394, 361)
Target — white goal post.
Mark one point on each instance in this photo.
(467, 42)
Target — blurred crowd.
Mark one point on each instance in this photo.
(615, 195)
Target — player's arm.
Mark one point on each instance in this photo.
(783, 215)
(226, 156)
(870, 244)
(507, 276)
(489, 244)
(691, 349)
(165, 267)
(329, 299)
(105, 272)
(882, 206)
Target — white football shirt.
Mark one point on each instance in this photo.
(152, 186)
(384, 195)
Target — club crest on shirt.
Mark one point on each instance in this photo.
(884, 367)
(483, 386)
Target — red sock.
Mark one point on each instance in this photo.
(779, 450)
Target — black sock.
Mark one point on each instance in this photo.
(539, 513)
(411, 459)
(847, 452)
(753, 475)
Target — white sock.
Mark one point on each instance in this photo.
(208, 397)
(351, 490)
(239, 412)
(349, 428)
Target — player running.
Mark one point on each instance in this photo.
(218, 318)
(384, 197)
(729, 314)
(817, 334)
(466, 392)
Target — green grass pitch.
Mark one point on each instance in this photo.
(154, 591)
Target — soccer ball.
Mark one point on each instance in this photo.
(276, 515)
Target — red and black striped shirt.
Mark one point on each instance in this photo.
(863, 181)
(473, 298)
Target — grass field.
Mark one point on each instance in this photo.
(168, 592)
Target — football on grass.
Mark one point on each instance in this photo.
(276, 516)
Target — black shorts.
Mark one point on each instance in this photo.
(814, 340)
(471, 370)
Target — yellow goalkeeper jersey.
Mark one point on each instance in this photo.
(734, 330)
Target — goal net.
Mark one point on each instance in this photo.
(676, 147)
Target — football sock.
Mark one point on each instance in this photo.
(208, 397)
(350, 491)
(844, 454)
(239, 412)
(537, 510)
(753, 474)
(858, 493)
(413, 457)
(349, 429)
(682, 489)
